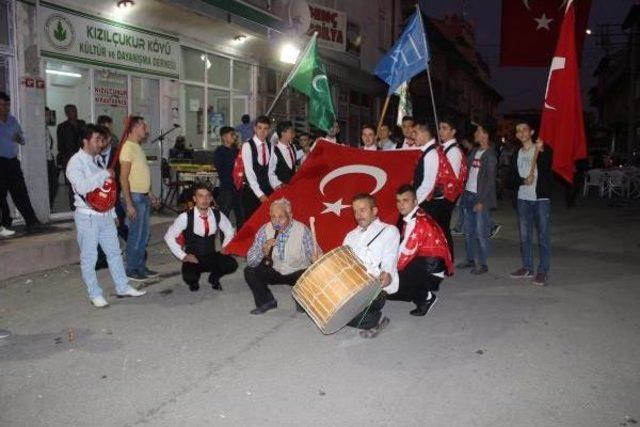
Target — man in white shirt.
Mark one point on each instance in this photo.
(447, 132)
(95, 227)
(192, 239)
(376, 245)
(282, 165)
(384, 138)
(256, 153)
(368, 136)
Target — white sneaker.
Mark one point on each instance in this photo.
(5, 232)
(99, 302)
(131, 292)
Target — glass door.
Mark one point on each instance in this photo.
(111, 98)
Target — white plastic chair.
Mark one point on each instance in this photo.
(616, 183)
(593, 178)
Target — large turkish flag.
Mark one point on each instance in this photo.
(324, 186)
(530, 30)
(562, 126)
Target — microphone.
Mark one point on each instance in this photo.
(268, 260)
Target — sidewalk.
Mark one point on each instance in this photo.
(39, 252)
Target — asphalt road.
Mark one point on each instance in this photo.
(493, 352)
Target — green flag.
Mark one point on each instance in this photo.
(310, 78)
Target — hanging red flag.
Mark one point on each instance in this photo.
(530, 28)
(324, 186)
(562, 126)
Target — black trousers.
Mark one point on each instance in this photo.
(441, 210)
(216, 263)
(12, 182)
(250, 203)
(258, 278)
(417, 280)
(52, 175)
(370, 316)
(231, 199)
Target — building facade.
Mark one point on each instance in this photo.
(188, 65)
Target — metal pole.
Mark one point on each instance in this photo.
(426, 60)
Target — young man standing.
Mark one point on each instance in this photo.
(223, 159)
(135, 181)
(11, 177)
(533, 186)
(477, 201)
(282, 165)
(198, 226)
(256, 153)
(95, 227)
(384, 138)
(407, 143)
(368, 137)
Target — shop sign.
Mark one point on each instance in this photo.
(70, 35)
(331, 26)
(111, 96)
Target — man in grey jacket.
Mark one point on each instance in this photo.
(478, 200)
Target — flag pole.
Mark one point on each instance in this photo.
(293, 71)
(384, 113)
(426, 60)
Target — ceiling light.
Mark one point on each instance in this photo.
(289, 54)
(240, 38)
(124, 4)
(64, 73)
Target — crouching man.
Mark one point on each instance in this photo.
(282, 250)
(424, 257)
(192, 239)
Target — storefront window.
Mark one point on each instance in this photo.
(145, 102)
(4, 23)
(192, 65)
(219, 71)
(218, 113)
(111, 97)
(241, 76)
(193, 111)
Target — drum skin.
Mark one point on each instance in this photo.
(335, 289)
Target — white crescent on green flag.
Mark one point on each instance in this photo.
(310, 78)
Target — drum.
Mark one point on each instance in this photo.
(335, 289)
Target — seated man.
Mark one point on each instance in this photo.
(281, 252)
(424, 254)
(198, 227)
(376, 245)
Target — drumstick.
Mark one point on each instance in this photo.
(312, 225)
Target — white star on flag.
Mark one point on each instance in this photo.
(336, 207)
(543, 22)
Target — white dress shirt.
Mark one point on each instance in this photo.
(409, 225)
(406, 146)
(382, 254)
(431, 164)
(286, 151)
(248, 164)
(454, 156)
(85, 176)
(180, 224)
(373, 147)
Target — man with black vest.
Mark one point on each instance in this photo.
(192, 239)
(282, 165)
(256, 153)
(433, 173)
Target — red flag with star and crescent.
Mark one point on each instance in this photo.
(562, 125)
(324, 186)
(530, 29)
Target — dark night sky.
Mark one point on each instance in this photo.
(524, 87)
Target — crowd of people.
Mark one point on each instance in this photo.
(410, 259)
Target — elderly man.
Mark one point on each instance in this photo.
(281, 252)
(376, 245)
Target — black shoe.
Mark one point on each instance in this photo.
(215, 283)
(193, 287)
(34, 228)
(466, 264)
(373, 332)
(423, 308)
(480, 270)
(151, 274)
(137, 277)
(265, 307)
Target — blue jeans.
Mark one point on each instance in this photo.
(477, 229)
(139, 233)
(94, 230)
(539, 213)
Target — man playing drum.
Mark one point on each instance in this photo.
(376, 245)
(281, 252)
(424, 256)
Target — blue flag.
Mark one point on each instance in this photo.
(408, 57)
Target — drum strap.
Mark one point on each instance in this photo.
(376, 236)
